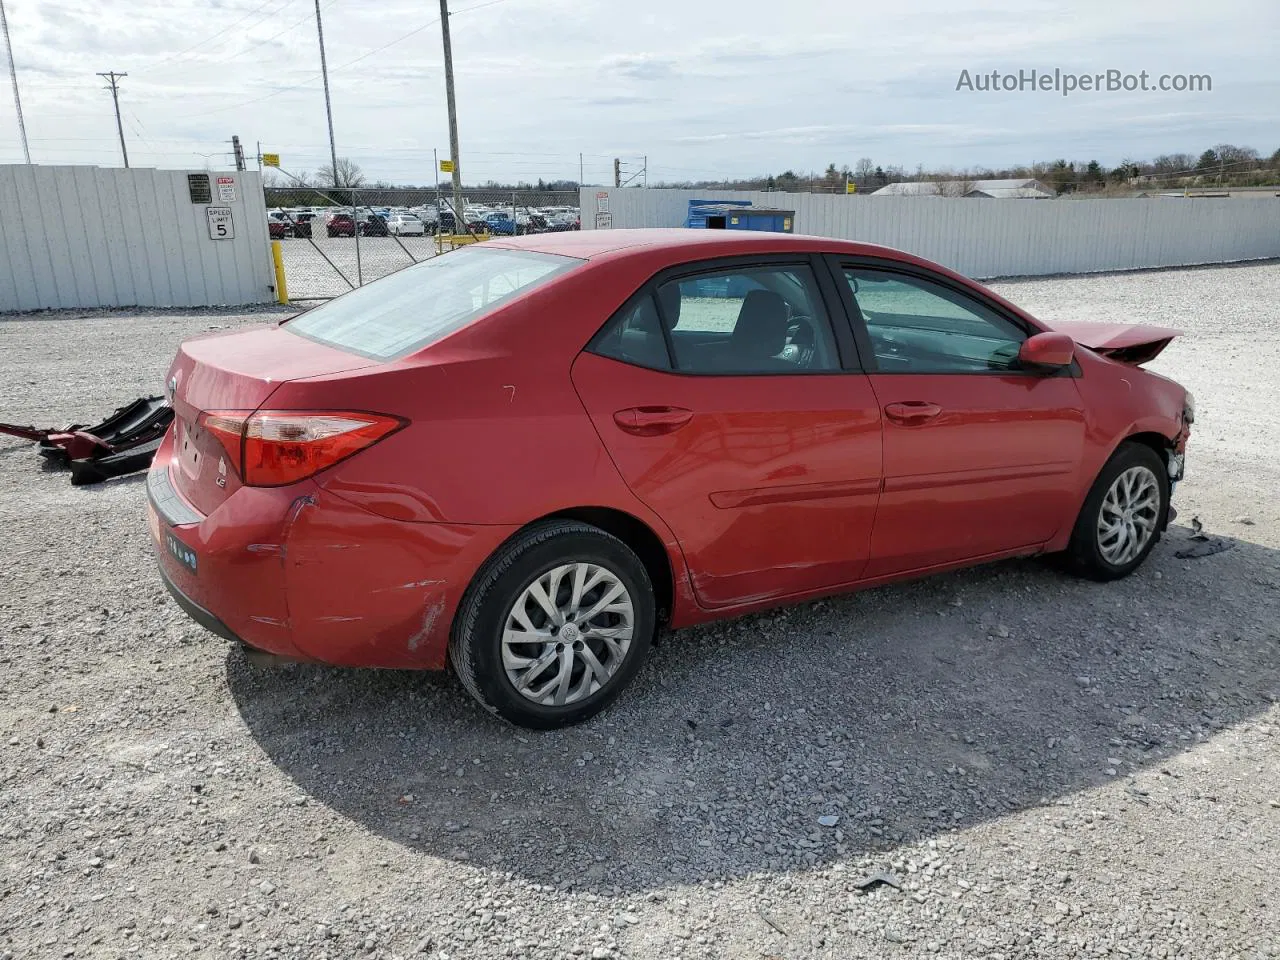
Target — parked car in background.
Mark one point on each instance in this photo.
(406, 225)
(278, 226)
(300, 223)
(340, 225)
(765, 419)
(374, 225)
(429, 216)
(499, 224)
(559, 219)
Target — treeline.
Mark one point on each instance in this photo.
(1222, 165)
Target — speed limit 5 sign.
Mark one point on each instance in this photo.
(221, 226)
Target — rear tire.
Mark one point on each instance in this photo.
(584, 600)
(1122, 517)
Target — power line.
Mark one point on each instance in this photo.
(350, 63)
(266, 40)
(224, 30)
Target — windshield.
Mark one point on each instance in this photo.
(420, 304)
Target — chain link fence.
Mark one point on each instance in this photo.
(336, 239)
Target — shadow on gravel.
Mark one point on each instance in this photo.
(904, 712)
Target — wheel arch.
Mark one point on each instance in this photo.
(637, 535)
(1148, 438)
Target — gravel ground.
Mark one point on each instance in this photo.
(1042, 767)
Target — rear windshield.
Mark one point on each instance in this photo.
(419, 304)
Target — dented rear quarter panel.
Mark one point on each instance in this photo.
(369, 591)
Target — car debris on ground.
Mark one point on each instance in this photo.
(125, 442)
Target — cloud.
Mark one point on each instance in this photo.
(714, 88)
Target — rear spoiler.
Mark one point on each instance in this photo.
(1134, 344)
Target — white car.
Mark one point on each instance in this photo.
(406, 225)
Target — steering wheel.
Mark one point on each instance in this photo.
(802, 340)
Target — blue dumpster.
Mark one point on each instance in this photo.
(737, 215)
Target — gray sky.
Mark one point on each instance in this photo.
(705, 88)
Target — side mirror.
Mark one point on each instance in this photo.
(1047, 350)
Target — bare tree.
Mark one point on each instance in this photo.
(278, 178)
(1229, 153)
(348, 174)
(863, 171)
(1173, 163)
(955, 188)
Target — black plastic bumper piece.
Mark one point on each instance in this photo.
(132, 460)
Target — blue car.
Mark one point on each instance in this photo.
(500, 225)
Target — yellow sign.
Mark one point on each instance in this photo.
(850, 187)
(271, 159)
(446, 166)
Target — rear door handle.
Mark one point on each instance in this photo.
(652, 421)
(912, 411)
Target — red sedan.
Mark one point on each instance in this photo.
(525, 457)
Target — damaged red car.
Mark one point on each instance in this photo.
(525, 457)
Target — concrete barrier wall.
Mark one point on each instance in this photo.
(997, 238)
(99, 237)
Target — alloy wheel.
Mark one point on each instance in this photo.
(567, 634)
(1129, 515)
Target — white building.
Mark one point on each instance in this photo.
(1029, 189)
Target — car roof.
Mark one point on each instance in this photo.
(706, 244)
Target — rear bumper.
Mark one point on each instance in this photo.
(198, 613)
(303, 574)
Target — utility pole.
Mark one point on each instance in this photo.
(459, 216)
(114, 79)
(13, 75)
(617, 172)
(579, 169)
(328, 106)
(237, 151)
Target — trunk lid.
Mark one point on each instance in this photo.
(1134, 344)
(234, 371)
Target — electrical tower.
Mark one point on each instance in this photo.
(113, 79)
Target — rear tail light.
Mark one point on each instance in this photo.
(272, 448)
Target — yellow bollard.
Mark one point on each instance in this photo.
(282, 288)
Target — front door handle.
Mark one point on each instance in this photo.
(912, 411)
(652, 421)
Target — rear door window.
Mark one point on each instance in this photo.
(749, 320)
(420, 304)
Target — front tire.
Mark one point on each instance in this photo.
(1122, 517)
(554, 626)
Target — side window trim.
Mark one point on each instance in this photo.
(838, 264)
(850, 356)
